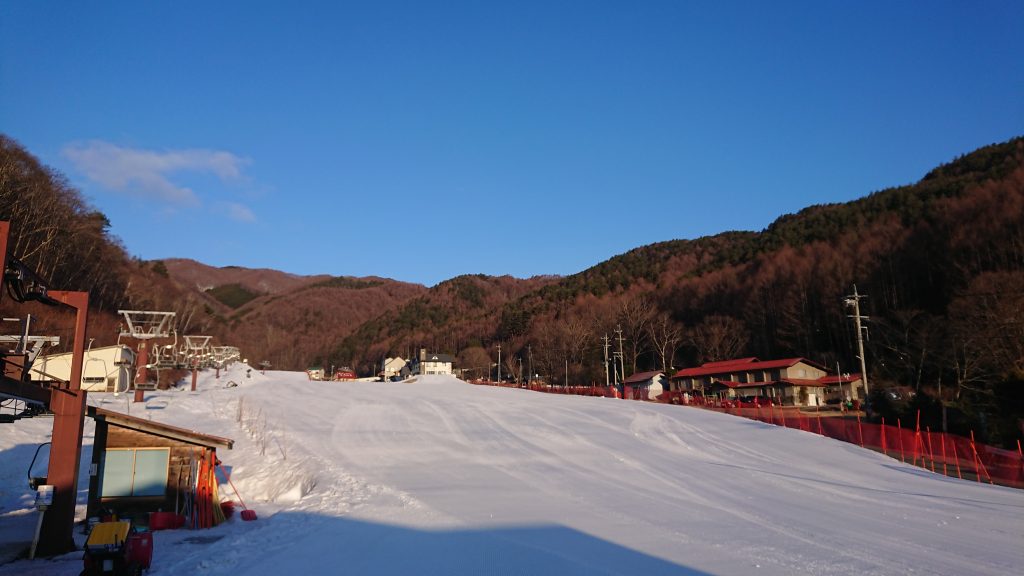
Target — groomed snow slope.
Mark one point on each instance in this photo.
(442, 477)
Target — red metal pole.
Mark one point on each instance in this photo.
(141, 373)
(5, 231)
(1020, 457)
(918, 445)
(195, 376)
(68, 407)
(977, 468)
(899, 435)
(977, 460)
(860, 431)
(884, 451)
(931, 454)
(945, 468)
(956, 459)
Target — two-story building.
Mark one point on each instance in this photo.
(432, 363)
(789, 381)
(392, 367)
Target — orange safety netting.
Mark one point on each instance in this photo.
(937, 451)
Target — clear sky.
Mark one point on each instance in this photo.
(423, 140)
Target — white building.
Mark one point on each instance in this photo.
(432, 363)
(107, 369)
(392, 367)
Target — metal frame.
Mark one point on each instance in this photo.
(146, 324)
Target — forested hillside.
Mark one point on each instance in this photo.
(942, 263)
(288, 320)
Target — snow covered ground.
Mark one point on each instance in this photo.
(442, 477)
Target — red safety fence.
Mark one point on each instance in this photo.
(603, 391)
(939, 452)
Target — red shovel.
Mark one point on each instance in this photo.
(247, 514)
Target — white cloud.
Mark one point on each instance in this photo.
(148, 173)
(239, 212)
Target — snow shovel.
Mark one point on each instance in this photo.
(247, 514)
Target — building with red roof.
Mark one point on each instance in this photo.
(788, 381)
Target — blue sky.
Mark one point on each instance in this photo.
(423, 140)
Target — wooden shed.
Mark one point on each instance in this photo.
(141, 466)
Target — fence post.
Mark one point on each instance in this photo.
(942, 439)
(860, 431)
(883, 437)
(931, 454)
(978, 464)
(956, 459)
(1020, 459)
(899, 435)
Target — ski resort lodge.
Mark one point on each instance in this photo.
(791, 381)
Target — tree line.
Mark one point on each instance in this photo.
(942, 262)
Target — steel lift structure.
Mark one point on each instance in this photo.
(65, 399)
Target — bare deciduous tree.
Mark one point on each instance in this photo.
(666, 335)
(719, 338)
(635, 313)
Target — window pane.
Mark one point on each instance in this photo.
(150, 472)
(116, 473)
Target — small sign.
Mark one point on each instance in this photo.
(44, 496)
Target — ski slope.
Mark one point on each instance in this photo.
(442, 477)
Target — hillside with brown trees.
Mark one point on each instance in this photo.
(283, 318)
(942, 263)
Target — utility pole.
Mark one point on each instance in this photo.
(854, 301)
(622, 357)
(499, 363)
(529, 377)
(605, 347)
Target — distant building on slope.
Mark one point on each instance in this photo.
(344, 374)
(432, 363)
(643, 386)
(106, 369)
(392, 367)
(779, 380)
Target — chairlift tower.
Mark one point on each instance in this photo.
(196, 345)
(144, 325)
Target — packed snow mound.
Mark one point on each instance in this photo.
(444, 477)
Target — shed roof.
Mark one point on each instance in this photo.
(641, 377)
(159, 429)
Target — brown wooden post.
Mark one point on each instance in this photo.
(195, 376)
(68, 407)
(141, 373)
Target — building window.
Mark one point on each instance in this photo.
(134, 472)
